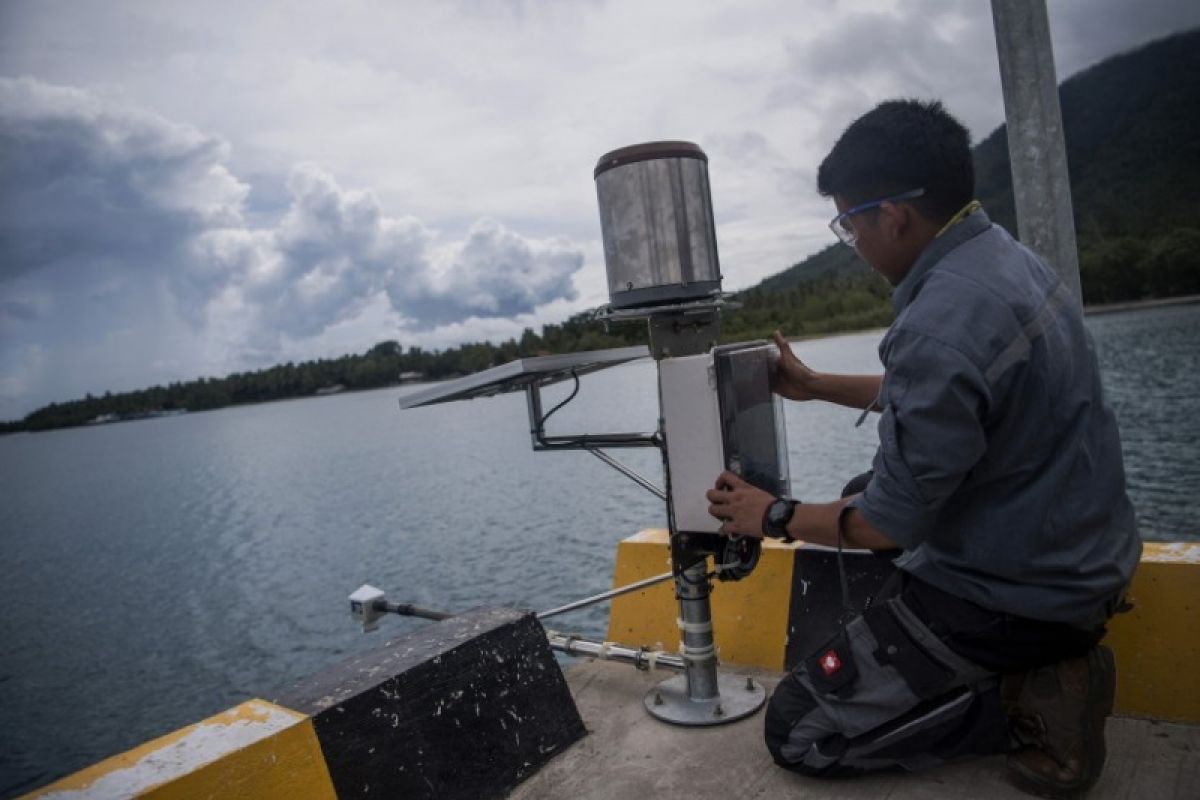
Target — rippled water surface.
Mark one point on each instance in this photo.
(156, 572)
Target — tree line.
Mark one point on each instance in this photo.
(833, 304)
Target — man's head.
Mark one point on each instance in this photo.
(892, 151)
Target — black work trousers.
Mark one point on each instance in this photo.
(912, 682)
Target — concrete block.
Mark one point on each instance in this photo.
(463, 708)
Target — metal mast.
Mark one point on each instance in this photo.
(1036, 147)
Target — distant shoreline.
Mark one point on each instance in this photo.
(1092, 310)
(1133, 305)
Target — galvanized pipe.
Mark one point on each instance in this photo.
(695, 618)
(588, 601)
(608, 651)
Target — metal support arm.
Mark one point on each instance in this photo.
(588, 441)
(591, 442)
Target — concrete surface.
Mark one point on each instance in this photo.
(627, 754)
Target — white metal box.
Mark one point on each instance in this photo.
(719, 413)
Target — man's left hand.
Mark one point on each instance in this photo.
(739, 505)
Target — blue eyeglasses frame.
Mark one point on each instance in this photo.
(847, 234)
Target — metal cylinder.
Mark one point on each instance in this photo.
(660, 243)
(699, 650)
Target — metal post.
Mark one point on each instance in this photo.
(695, 622)
(1036, 147)
(701, 695)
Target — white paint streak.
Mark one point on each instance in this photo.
(203, 744)
(1173, 552)
(651, 535)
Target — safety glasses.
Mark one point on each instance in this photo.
(843, 230)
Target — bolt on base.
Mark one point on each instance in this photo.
(738, 697)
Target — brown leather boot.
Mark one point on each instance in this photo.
(1057, 715)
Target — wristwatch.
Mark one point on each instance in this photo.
(776, 518)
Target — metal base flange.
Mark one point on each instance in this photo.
(739, 698)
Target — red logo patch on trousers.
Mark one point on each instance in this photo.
(830, 663)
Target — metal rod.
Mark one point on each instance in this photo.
(620, 590)
(609, 651)
(533, 405)
(409, 610)
(628, 472)
(590, 441)
(1036, 145)
(573, 645)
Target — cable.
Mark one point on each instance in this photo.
(570, 397)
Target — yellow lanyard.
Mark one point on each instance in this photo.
(964, 212)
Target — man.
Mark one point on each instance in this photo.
(998, 481)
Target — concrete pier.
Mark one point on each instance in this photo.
(630, 754)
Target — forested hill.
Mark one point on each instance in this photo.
(1132, 128)
(1133, 143)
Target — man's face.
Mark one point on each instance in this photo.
(880, 239)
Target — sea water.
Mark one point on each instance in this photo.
(156, 572)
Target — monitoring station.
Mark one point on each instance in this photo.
(717, 412)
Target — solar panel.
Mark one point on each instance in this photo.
(515, 375)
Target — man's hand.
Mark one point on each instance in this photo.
(739, 505)
(792, 379)
(795, 381)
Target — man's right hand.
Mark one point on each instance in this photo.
(792, 379)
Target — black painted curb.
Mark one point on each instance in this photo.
(463, 708)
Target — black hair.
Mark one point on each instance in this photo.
(901, 145)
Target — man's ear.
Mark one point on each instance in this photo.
(894, 220)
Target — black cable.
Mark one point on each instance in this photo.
(847, 608)
(570, 397)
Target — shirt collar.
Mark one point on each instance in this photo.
(973, 225)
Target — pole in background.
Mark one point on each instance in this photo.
(1036, 146)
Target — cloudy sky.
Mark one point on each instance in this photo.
(191, 189)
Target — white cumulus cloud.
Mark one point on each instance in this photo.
(124, 242)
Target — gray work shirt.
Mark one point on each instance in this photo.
(999, 467)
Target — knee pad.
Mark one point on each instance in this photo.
(789, 703)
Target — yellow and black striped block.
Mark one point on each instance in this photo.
(790, 602)
(465, 708)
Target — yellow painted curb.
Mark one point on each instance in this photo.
(254, 750)
(1157, 643)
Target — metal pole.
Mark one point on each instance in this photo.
(409, 610)
(701, 695)
(587, 601)
(1036, 147)
(695, 616)
(627, 472)
(608, 651)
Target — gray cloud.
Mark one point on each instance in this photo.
(495, 273)
(931, 48)
(117, 226)
(335, 249)
(81, 181)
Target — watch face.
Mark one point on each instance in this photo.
(778, 516)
